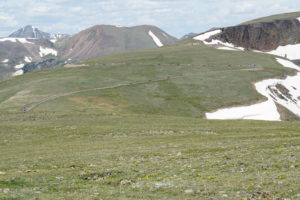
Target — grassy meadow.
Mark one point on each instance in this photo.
(146, 141)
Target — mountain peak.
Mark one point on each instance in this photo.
(30, 31)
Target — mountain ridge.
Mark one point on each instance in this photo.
(280, 37)
(106, 39)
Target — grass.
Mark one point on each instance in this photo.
(274, 17)
(201, 79)
(54, 155)
(146, 141)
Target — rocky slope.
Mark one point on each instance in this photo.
(30, 32)
(104, 39)
(279, 37)
(15, 53)
(263, 36)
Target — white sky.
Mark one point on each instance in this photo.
(177, 17)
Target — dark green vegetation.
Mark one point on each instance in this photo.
(274, 17)
(47, 62)
(146, 141)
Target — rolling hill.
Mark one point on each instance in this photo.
(132, 125)
(292, 15)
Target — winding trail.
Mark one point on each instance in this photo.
(46, 99)
(30, 107)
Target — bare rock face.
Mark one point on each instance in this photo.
(263, 36)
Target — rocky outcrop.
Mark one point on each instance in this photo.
(263, 36)
(45, 64)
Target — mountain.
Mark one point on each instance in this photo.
(30, 32)
(15, 53)
(278, 35)
(134, 125)
(105, 39)
(187, 73)
(29, 44)
(55, 37)
(189, 35)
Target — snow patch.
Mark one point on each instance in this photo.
(207, 35)
(288, 64)
(227, 48)
(28, 59)
(18, 73)
(267, 110)
(46, 51)
(298, 19)
(5, 61)
(21, 40)
(20, 66)
(34, 32)
(226, 44)
(262, 111)
(291, 51)
(155, 39)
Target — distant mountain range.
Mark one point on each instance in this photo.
(31, 46)
(279, 35)
(189, 35)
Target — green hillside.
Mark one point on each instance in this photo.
(193, 80)
(130, 126)
(274, 17)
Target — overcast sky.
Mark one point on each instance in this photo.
(177, 17)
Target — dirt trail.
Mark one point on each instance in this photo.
(30, 107)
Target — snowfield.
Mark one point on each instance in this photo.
(155, 39)
(27, 59)
(227, 48)
(207, 35)
(20, 66)
(291, 51)
(298, 19)
(18, 73)
(5, 61)
(284, 92)
(226, 45)
(21, 40)
(44, 51)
